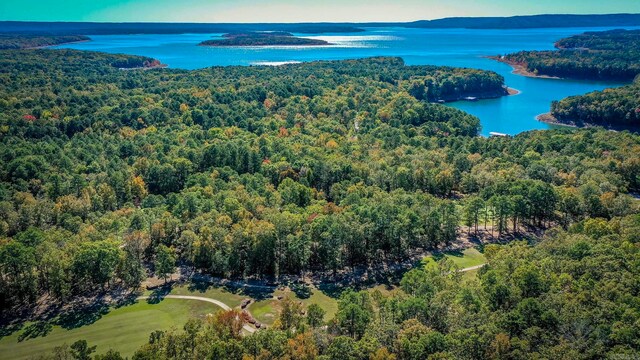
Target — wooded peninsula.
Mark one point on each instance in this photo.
(608, 55)
(12, 41)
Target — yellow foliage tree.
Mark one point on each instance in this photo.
(301, 347)
(138, 189)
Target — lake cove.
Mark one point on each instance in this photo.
(450, 47)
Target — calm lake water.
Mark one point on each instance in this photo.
(452, 47)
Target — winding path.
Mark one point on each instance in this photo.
(226, 307)
(200, 298)
(472, 268)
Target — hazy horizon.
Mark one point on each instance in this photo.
(289, 11)
(292, 22)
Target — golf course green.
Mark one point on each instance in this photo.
(123, 329)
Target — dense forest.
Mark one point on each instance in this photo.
(10, 41)
(109, 176)
(263, 39)
(264, 171)
(618, 107)
(574, 295)
(241, 171)
(607, 55)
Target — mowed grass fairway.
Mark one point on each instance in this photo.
(266, 311)
(468, 258)
(124, 329)
(213, 292)
(265, 306)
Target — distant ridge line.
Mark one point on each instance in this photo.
(511, 22)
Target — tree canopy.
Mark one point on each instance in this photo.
(265, 171)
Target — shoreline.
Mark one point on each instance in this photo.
(521, 69)
(549, 119)
(513, 92)
(507, 91)
(64, 43)
(159, 66)
(266, 45)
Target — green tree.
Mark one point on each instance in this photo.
(315, 315)
(290, 317)
(472, 212)
(95, 263)
(80, 350)
(355, 311)
(543, 200)
(502, 211)
(295, 193)
(342, 347)
(165, 262)
(109, 355)
(130, 270)
(17, 269)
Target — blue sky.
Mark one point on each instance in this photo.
(294, 11)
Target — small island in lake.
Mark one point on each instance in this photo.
(274, 38)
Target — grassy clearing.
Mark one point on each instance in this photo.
(465, 259)
(327, 303)
(266, 311)
(265, 306)
(123, 329)
(468, 258)
(384, 289)
(233, 299)
(471, 274)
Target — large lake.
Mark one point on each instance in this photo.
(453, 47)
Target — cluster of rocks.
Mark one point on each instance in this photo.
(251, 320)
(245, 303)
(247, 315)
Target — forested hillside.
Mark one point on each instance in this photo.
(573, 296)
(11, 41)
(618, 107)
(266, 170)
(607, 55)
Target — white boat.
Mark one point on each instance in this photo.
(497, 134)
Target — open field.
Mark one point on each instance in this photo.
(232, 299)
(123, 329)
(266, 311)
(265, 305)
(464, 259)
